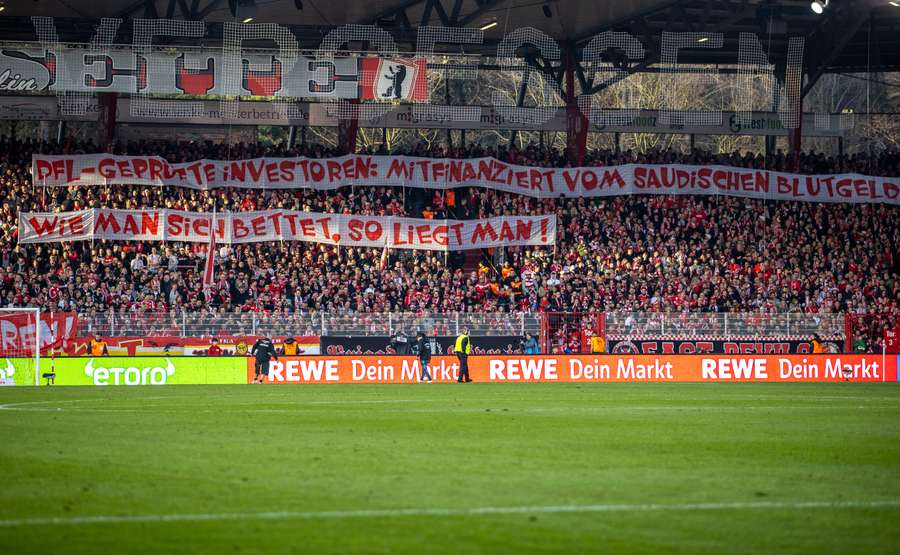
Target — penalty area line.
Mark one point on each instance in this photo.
(400, 513)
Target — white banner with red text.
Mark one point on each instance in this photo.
(441, 173)
(286, 225)
(20, 333)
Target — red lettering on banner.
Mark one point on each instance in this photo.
(105, 221)
(456, 230)
(43, 225)
(399, 168)
(55, 226)
(173, 225)
(104, 168)
(373, 230)
(256, 169)
(334, 171)
(131, 226)
(269, 225)
(423, 234)
(485, 172)
(200, 227)
(397, 240)
(156, 170)
(891, 190)
(275, 218)
(354, 229)
(440, 235)
(124, 168)
(523, 230)
(259, 226)
(272, 172)
(287, 170)
(75, 223)
(140, 167)
(323, 223)
(308, 227)
(239, 229)
(209, 171)
(292, 222)
(483, 230)
(571, 180)
(506, 233)
(316, 170)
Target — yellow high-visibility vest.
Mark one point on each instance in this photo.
(459, 348)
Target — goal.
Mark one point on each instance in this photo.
(22, 333)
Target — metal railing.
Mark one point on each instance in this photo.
(209, 324)
(688, 325)
(619, 325)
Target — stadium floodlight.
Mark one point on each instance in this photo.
(243, 10)
(818, 6)
(489, 25)
(2, 6)
(895, 4)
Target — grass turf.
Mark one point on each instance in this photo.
(195, 450)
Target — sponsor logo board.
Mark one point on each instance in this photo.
(599, 368)
(129, 371)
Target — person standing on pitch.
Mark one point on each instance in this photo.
(423, 349)
(263, 350)
(462, 349)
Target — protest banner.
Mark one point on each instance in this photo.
(440, 173)
(286, 225)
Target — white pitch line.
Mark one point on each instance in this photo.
(320, 408)
(399, 513)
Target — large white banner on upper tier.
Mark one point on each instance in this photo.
(286, 225)
(443, 173)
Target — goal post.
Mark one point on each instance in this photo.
(21, 337)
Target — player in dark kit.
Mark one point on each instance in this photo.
(263, 350)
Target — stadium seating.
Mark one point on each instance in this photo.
(639, 253)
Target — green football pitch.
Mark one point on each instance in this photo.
(475, 468)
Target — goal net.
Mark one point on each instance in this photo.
(22, 336)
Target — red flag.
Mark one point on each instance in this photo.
(209, 271)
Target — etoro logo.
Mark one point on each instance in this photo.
(131, 375)
(6, 374)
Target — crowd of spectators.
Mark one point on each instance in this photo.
(629, 253)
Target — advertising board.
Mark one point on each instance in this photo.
(599, 368)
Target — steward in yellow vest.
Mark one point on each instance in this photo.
(463, 348)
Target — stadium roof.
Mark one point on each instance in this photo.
(850, 36)
(569, 17)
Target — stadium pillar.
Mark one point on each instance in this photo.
(292, 136)
(108, 106)
(576, 122)
(770, 145)
(796, 137)
(60, 132)
(347, 132)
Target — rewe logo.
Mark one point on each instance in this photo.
(130, 375)
(6, 374)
